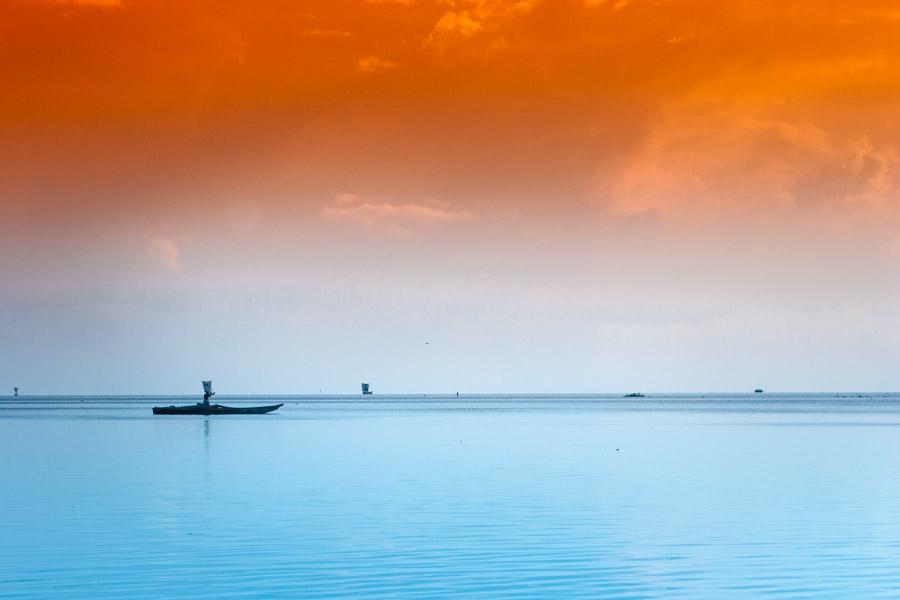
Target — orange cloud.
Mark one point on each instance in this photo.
(452, 30)
(371, 64)
(392, 217)
(165, 252)
(94, 3)
(336, 33)
(743, 162)
(456, 24)
(485, 19)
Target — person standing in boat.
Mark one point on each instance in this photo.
(205, 408)
(207, 392)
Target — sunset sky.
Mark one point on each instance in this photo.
(556, 195)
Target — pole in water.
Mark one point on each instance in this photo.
(15, 391)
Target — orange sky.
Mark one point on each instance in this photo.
(646, 138)
(623, 106)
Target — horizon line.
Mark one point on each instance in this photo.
(450, 395)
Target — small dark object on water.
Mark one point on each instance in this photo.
(634, 395)
(758, 391)
(205, 408)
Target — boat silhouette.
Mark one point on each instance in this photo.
(205, 408)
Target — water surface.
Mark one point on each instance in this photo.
(493, 496)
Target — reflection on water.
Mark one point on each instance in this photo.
(493, 496)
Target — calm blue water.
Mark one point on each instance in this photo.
(717, 496)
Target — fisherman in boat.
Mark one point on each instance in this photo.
(205, 408)
(207, 392)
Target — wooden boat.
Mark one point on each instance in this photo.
(214, 409)
(205, 408)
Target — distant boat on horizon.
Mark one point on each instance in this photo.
(205, 408)
(635, 395)
(365, 389)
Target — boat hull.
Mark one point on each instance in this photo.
(214, 409)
